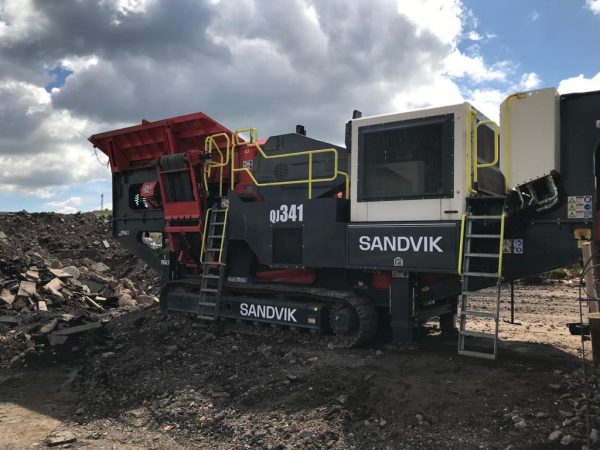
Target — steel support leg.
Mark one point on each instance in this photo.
(402, 309)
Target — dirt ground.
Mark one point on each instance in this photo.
(151, 381)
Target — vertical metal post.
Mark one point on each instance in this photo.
(310, 174)
(512, 302)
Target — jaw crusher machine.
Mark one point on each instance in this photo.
(410, 220)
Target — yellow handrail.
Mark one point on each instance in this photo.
(506, 136)
(469, 149)
(209, 144)
(476, 164)
(461, 244)
(204, 234)
(502, 219)
(223, 235)
(310, 180)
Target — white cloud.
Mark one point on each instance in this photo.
(475, 36)
(534, 16)
(244, 62)
(79, 63)
(488, 101)
(529, 81)
(19, 18)
(439, 17)
(593, 5)
(67, 206)
(579, 84)
(458, 64)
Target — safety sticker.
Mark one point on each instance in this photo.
(579, 207)
(514, 246)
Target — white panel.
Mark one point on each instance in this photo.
(529, 123)
(414, 209)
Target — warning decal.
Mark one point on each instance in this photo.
(579, 207)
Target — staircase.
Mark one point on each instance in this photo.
(212, 259)
(483, 237)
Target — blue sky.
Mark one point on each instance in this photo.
(75, 68)
(557, 39)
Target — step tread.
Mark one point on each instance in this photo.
(483, 255)
(482, 274)
(480, 217)
(471, 313)
(203, 317)
(477, 334)
(480, 294)
(477, 354)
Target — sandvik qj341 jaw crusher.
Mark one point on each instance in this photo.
(418, 213)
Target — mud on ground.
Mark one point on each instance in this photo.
(149, 380)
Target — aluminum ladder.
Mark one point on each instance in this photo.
(212, 258)
(473, 257)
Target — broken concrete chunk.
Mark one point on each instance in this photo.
(11, 320)
(26, 288)
(146, 300)
(125, 301)
(3, 236)
(54, 339)
(99, 267)
(32, 275)
(49, 327)
(54, 286)
(41, 306)
(6, 296)
(77, 329)
(72, 270)
(105, 243)
(67, 317)
(60, 273)
(60, 438)
(93, 303)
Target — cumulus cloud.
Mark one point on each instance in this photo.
(580, 84)
(69, 206)
(244, 62)
(529, 81)
(593, 5)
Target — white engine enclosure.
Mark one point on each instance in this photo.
(415, 209)
(530, 133)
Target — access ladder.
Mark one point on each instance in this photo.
(212, 259)
(479, 264)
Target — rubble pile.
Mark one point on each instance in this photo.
(54, 285)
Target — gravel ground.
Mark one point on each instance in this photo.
(152, 381)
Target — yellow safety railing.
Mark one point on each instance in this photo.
(310, 153)
(236, 142)
(208, 211)
(469, 151)
(476, 164)
(461, 244)
(500, 250)
(223, 235)
(506, 130)
(211, 144)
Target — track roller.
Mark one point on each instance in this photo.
(353, 321)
